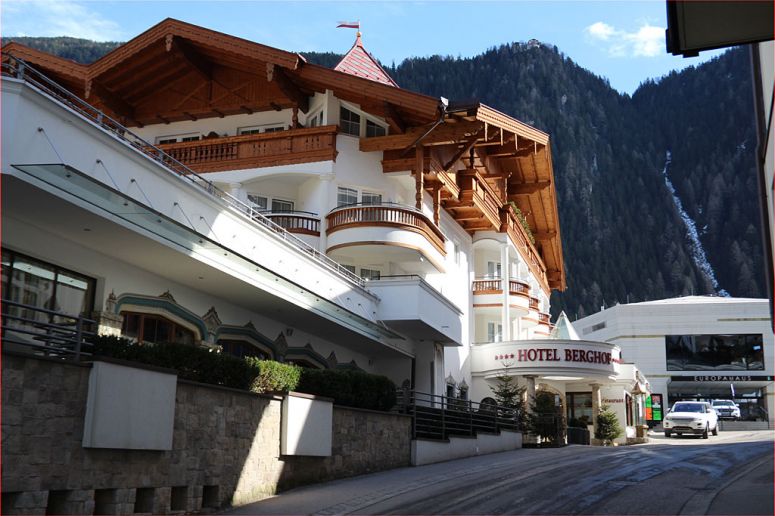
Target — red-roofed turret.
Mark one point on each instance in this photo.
(360, 63)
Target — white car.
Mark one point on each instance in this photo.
(726, 409)
(691, 417)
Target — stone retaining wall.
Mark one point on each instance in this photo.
(226, 448)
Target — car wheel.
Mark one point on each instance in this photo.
(705, 432)
(715, 429)
(667, 433)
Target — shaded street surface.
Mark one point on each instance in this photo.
(731, 473)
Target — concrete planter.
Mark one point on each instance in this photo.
(307, 425)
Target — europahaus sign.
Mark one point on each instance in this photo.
(545, 357)
(722, 378)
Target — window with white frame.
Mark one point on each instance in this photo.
(374, 129)
(456, 252)
(349, 122)
(259, 129)
(370, 274)
(279, 206)
(345, 196)
(259, 201)
(315, 120)
(493, 269)
(175, 138)
(494, 332)
(371, 198)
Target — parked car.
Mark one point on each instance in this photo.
(726, 409)
(691, 417)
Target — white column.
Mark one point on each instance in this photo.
(505, 275)
(325, 206)
(596, 404)
(530, 391)
(235, 189)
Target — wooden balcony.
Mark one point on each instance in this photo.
(257, 150)
(534, 303)
(388, 216)
(477, 207)
(544, 318)
(302, 223)
(523, 244)
(495, 286)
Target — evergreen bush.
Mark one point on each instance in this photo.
(545, 420)
(274, 376)
(608, 427)
(350, 388)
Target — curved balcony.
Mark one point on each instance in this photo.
(544, 324)
(379, 233)
(533, 317)
(300, 222)
(488, 293)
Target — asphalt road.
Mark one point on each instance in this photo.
(727, 474)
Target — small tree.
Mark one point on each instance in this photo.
(608, 427)
(545, 419)
(507, 393)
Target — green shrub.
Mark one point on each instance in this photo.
(192, 363)
(274, 376)
(350, 388)
(608, 427)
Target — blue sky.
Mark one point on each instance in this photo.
(620, 40)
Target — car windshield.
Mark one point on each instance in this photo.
(688, 407)
(722, 403)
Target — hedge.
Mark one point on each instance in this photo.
(350, 388)
(191, 362)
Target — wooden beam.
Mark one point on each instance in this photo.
(287, 86)
(397, 124)
(468, 145)
(419, 176)
(527, 188)
(201, 66)
(441, 135)
(109, 99)
(544, 235)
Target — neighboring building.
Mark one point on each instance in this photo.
(696, 348)
(202, 188)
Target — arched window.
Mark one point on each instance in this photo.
(155, 328)
(242, 349)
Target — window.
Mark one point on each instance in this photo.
(345, 196)
(349, 122)
(370, 274)
(373, 129)
(371, 198)
(494, 332)
(43, 285)
(259, 201)
(242, 349)
(175, 138)
(350, 268)
(579, 406)
(315, 120)
(493, 269)
(281, 206)
(258, 129)
(714, 352)
(155, 329)
(456, 252)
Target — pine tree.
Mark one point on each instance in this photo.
(507, 393)
(545, 419)
(608, 427)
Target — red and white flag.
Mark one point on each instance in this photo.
(349, 25)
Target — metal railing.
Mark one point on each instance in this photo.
(45, 332)
(439, 417)
(19, 69)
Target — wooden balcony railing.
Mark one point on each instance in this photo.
(474, 189)
(296, 222)
(544, 318)
(256, 150)
(534, 303)
(487, 286)
(517, 234)
(387, 215)
(519, 288)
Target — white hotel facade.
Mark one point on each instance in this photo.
(211, 190)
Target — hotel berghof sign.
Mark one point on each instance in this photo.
(546, 357)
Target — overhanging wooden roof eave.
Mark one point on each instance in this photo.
(72, 70)
(199, 35)
(503, 121)
(557, 238)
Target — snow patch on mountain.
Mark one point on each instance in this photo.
(695, 246)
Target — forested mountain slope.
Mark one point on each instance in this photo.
(624, 237)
